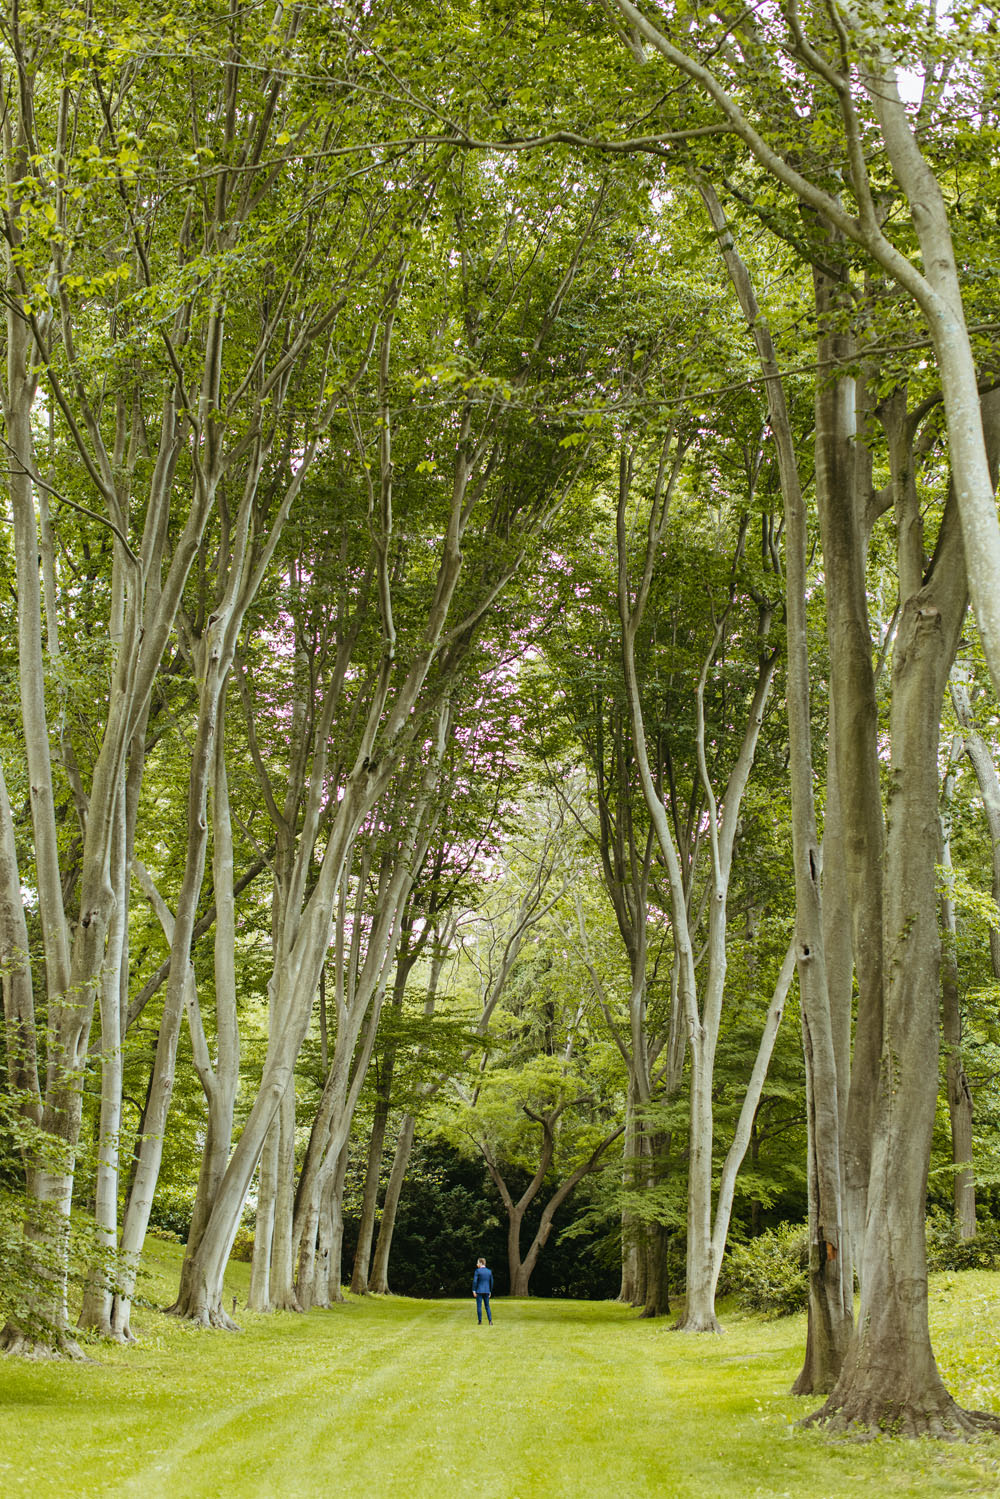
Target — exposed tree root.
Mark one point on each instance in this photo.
(288, 1303)
(108, 1331)
(204, 1316)
(816, 1377)
(865, 1418)
(22, 1345)
(806, 1384)
(704, 1323)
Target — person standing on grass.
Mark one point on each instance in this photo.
(482, 1289)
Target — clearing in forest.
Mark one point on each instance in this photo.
(393, 1397)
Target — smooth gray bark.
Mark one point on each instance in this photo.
(831, 1275)
(378, 1281)
(982, 763)
(959, 1093)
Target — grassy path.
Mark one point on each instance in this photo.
(411, 1400)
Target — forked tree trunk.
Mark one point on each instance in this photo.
(519, 1274)
(521, 1269)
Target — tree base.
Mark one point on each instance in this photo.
(289, 1302)
(124, 1337)
(107, 1329)
(705, 1322)
(806, 1384)
(864, 1418)
(22, 1345)
(204, 1316)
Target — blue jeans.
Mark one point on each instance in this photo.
(483, 1299)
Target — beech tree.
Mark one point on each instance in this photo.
(351, 381)
(121, 295)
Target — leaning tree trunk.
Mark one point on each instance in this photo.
(408, 955)
(369, 1203)
(379, 1280)
(221, 1081)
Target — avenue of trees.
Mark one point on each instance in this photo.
(501, 629)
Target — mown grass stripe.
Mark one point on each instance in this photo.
(397, 1399)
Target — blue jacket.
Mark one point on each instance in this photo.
(482, 1280)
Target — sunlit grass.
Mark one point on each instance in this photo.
(406, 1398)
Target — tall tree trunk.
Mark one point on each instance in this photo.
(957, 1084)
(332, 1220)
(844, 518)
(97, 1310)
(267, 1185)
(221, 1082)
(283, 1296)
(890, 1380)
(831, 1273)
(379, 1279)
(179, 932)
(634, 1259)
(830, 1281)
(657, 1235)
(369, 1203)
(986, 774)
(383, 1099)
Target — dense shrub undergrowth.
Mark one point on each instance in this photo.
(946, 1251)
(769, 1274)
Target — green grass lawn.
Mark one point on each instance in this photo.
(392, 1397)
